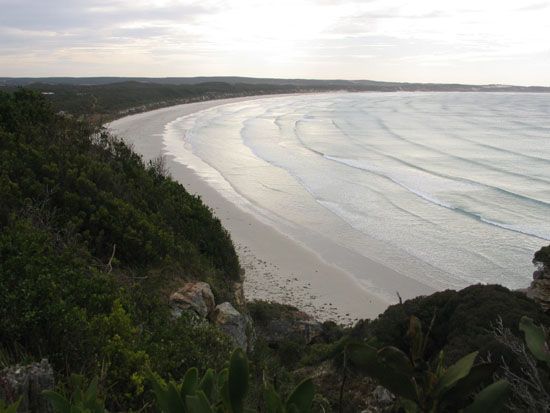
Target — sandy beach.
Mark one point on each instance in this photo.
(277, 267)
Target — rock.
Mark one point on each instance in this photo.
(538, 275)
(378, 400)
(240, 301)
(382, 396)
(195, 296)
(539, 291)
(27, 382)
(232, 323)
(294, 325)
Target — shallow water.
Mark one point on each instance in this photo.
(448, 189)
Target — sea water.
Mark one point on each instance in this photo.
(447, 189)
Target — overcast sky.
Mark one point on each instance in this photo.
(466, 41)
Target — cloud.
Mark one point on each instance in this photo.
(287, 38)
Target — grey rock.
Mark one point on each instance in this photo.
(382, 396)
(295, 325)
(232, 323)
(28, 382)
(539, 291)
(195, 296)
(538, 275)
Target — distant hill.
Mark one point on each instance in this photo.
(100, 99)
(234, 80)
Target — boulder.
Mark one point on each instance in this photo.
(538, 275)
(539, 291)
(27, 382)
(194, 296)
(378, 400)
(295, 325)
(240, 300)
(232, 323)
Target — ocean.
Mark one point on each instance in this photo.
(448, 189)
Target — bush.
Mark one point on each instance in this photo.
(463, 319)
(91, 242)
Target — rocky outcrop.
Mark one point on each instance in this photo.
(232, 323)
(194, 296)
(197, 297)
(294, 325)
(539, 291)
(27, 382)
(379, 400)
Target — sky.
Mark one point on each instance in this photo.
(466, 41)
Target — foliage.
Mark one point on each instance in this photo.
(107, 101)
(9, 408)
(80, 401)
(91, 242)
(528, 375)
(225, 392)
(462, 323)
(536, 338)
(428, 386)
(91, 184)
(542, 259)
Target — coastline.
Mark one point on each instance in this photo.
(277, 267)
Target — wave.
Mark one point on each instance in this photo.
(390, 131)
(434, 200)
(445, 176)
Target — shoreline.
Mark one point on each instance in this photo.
(277, 267)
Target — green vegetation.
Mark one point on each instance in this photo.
(91, 242)
(529, 375)
(542, 259)
(462, 320)
(104, 102)
(224, 392)
(8, 408)
(427, 385)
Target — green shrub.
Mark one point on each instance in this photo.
(92, 241)
(463, 319)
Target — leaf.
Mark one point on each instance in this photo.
(417, 339)
(91, 391)
(237, 380)
(175, 403)
(491, 399)
(396, 359)
(366, 357)
(224, 388)
(480, 375)
(198, 403)
(208, 385)
(535, 338)
(167, 395)
(409, 406)
(456, 372)
(59, 403)
(273, 402)
(302, 396)
(12, 408)
(189, 384)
